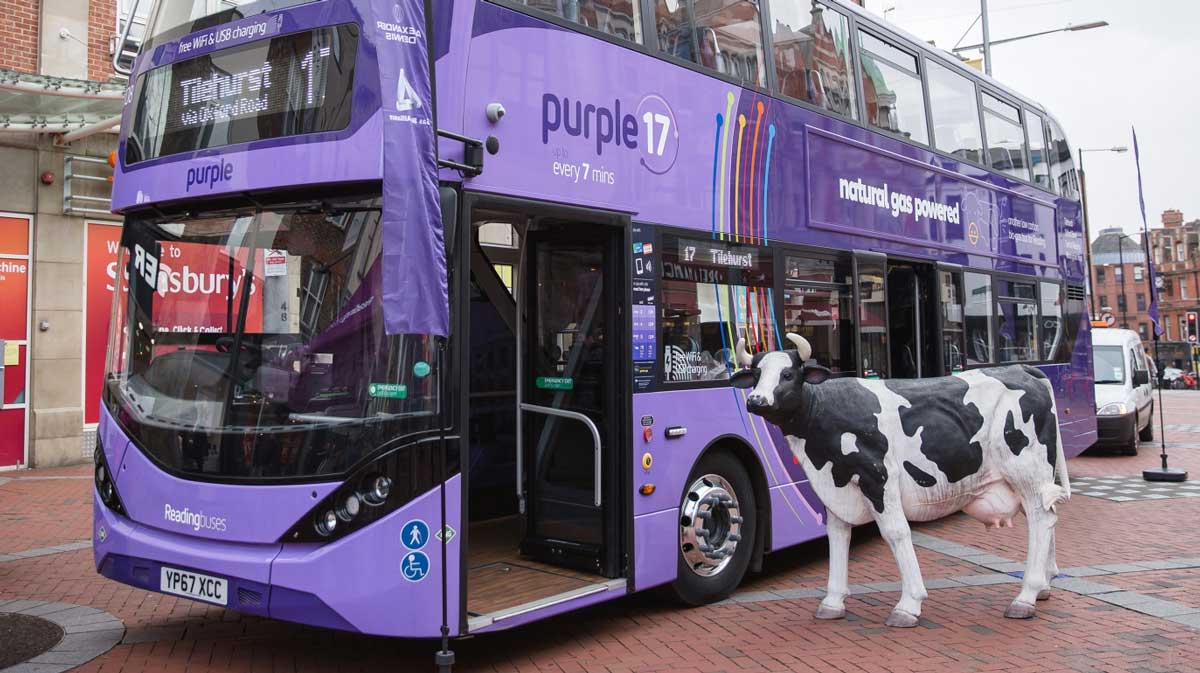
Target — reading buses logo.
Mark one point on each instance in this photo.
(194, 520)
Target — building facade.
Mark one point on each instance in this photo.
(1176, 251)
(1120, 282)
(60, 99)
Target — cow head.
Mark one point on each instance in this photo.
(777, 378)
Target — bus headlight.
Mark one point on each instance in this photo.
(348, 509)
(378, 491)
(104, 481)
(326, 523)
(379, 487)
(1113, 409)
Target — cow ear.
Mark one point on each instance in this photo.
(816, 374)
(744, 379)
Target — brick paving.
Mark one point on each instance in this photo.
(1102, 623)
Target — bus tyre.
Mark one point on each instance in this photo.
(717, 526)
(1147, 434)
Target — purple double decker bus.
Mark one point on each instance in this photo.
(626, 189)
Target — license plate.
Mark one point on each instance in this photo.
(194, 585)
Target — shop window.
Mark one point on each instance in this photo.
(712, 294)
(818, 304)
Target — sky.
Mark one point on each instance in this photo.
(1141, 71)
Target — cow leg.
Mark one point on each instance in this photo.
(1051, 566)
(834, 604)
(1041, 532)
(895, 530)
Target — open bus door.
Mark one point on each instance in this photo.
(548, 397)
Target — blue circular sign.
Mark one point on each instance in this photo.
(415, 566)
(415, 534)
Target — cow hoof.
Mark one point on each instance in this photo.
(1020, 611)
(826, 612)
(1043, 595)
(901, 620)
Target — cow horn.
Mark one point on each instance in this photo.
(802, 346)
(743, 356)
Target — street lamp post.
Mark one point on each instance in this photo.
(988, 42)
(1087, 231)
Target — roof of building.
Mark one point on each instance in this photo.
(1114, 246)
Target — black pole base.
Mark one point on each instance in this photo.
(444, 660)
(1164, 474)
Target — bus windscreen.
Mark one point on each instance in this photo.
(281, 86)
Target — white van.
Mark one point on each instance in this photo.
(1124, 399)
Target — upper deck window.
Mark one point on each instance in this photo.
(721, 35)
(812, 55)
(892, 90)
(955, 113)
(1005, 137)
(619, 18)
(1038, 154)
(1062, 164)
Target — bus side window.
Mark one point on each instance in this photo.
(1038, 152)
(725, 37)
(818, 304)
(892, 92)
(1052, 321)
(953, 333)
(812, 55)
(1062, 164)
(955, 113)
(1005, 137)
(977, 296)
(619, 18)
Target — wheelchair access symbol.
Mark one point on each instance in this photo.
(415, 566)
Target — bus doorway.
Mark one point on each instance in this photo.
(912, 320)
(547, 403)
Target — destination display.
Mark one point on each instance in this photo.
(269, 88)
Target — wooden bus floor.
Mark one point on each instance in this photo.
(499, 578)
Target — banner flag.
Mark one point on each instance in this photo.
(415, 294)
(1154, 317)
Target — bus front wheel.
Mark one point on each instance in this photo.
(717, 524)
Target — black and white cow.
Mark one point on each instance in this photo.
(985, 442)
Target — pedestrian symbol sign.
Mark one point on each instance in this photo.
(415, 534)
(415, 566)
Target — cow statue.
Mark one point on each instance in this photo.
(985, 442)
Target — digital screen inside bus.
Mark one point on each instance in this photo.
(280, 86)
